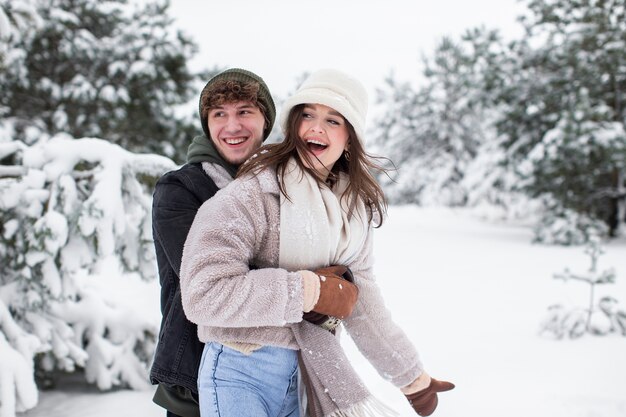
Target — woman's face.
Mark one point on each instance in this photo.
(325, 134)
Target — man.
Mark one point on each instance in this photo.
(237, 114)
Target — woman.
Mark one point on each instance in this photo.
(296, 208)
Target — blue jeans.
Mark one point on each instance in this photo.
(262, 384)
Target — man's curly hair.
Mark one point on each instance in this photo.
(229, 91)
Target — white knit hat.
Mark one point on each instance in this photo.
(334, 89)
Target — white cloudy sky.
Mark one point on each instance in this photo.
(281, 39)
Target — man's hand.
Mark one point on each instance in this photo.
(338, 295)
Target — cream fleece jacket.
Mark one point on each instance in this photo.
(230, 302)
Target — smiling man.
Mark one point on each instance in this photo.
(237, 114)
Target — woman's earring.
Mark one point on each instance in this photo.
(346, 154)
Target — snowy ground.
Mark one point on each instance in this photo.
(471, 295)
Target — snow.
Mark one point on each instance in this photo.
(5, 26)
(75, 224)
(472, 296)
(17, 389)
(63, 16)
(81, 278)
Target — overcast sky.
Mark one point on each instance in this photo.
(281, 39)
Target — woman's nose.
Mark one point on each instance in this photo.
(315, 127)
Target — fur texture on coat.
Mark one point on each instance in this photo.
(230, 302)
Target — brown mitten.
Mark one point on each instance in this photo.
(338, 294)
(425, 401)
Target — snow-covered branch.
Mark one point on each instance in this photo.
(17, 348)
(11, 171)
(606, 277)
(75, 233)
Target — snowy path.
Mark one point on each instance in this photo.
(471, 296)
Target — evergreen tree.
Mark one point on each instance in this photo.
(102, 69)
(18, 23)
(75, 231)
(433, 134)
(75, 241)
(543, 116)
(565, 116)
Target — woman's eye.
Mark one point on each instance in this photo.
(334, 122)
(306, 115)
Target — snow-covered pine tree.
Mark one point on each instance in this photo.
(564, 114)
(433, 134)
(75, 246)
(109, 69)
(19, 21)
(75, 238)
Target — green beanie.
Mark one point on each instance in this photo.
(243, 76)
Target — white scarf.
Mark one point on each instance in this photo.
(314, 227)
(315, 232)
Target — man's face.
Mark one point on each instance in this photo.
(236, 130)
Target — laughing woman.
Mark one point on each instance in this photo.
(301, 213)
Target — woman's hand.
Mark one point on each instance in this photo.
(422, 393)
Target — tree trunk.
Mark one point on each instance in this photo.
(617, 215)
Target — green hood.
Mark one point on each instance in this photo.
(203, 150)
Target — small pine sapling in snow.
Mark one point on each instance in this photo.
(598, 319)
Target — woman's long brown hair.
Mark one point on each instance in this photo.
(362, 184)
